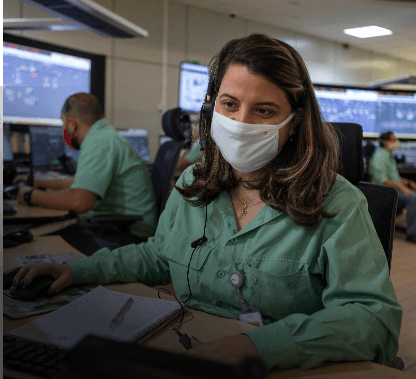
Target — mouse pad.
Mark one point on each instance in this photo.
(19, 309)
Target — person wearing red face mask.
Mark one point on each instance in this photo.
(110, 179)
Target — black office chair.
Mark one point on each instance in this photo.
(382, 200)
(176, 125)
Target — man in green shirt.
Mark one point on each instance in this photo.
(383, 170)
(110, 179)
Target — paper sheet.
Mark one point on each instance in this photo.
(92, 314)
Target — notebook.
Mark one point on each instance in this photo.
(92, 313)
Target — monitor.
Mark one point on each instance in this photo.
(377, 111)
(74, 154)
(163, 139)
(38, 77)
(407, 150)
(46, 145)
(193, 84)
(139, 140)
(7, 144)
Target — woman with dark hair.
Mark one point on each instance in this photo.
(287, 244)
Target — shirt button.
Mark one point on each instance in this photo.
(292, 286)
(253, 279)
(220, 274)
(234, 240)
(218, 303)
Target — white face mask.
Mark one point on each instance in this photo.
(246, 147)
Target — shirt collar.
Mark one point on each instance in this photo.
(93, 129)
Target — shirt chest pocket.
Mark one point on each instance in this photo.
(281, 295)
(179, 257)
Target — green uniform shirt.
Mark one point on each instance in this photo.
(324, 292)
(382, 166)
(193, 154)
(109, 167)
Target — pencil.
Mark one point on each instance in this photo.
(118, 319)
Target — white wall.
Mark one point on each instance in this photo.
(134, 66)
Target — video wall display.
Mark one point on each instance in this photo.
(377, 111)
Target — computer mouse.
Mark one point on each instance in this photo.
(15, 237)
(8, 277)
(36, 289)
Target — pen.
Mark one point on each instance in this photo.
(119, 318)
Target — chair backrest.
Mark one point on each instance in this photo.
(176, 124)
(350, 138)
(163, 171)
(382, 206)
(382, 200)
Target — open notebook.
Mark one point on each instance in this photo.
(92, 314)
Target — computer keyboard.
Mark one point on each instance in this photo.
(24, 358)
(8, 210)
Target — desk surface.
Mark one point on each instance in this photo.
(204, 326)
(31, 214)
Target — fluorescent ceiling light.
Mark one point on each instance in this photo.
(368, 31)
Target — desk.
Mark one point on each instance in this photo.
(213, 326)
(34, 215)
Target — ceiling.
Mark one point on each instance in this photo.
(328, 18)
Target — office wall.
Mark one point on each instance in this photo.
(134, 80)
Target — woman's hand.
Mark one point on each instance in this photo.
(406, 190)
(61, 272)
(228, 350)
(21, 193)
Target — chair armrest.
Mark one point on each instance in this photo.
(114, 219)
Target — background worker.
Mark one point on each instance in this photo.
(110, 179)
(383, 170)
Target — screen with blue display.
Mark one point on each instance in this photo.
(193, 84)
(37, 82)
(46, 145)
(377, 111)
(139, 140)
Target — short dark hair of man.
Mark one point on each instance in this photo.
(83, 106)
(385, 137)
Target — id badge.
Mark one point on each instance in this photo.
(250, 315)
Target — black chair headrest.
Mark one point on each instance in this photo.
(176, 123)
(350, 137)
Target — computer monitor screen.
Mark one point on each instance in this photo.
(74, 154)
(39, 76)
(375, 110)
(139, 140)
(193, 83)
(407, 150)
(163, 139)
(46, 145)
(7, 144)
(37, 82)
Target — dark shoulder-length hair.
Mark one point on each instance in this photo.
(303, 172)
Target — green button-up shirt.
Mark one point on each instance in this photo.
(382, 166)
(109, 167)
(324, 292)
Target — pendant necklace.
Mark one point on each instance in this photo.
(244, 210)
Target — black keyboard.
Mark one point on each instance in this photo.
(7, 209)
(24, 358)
